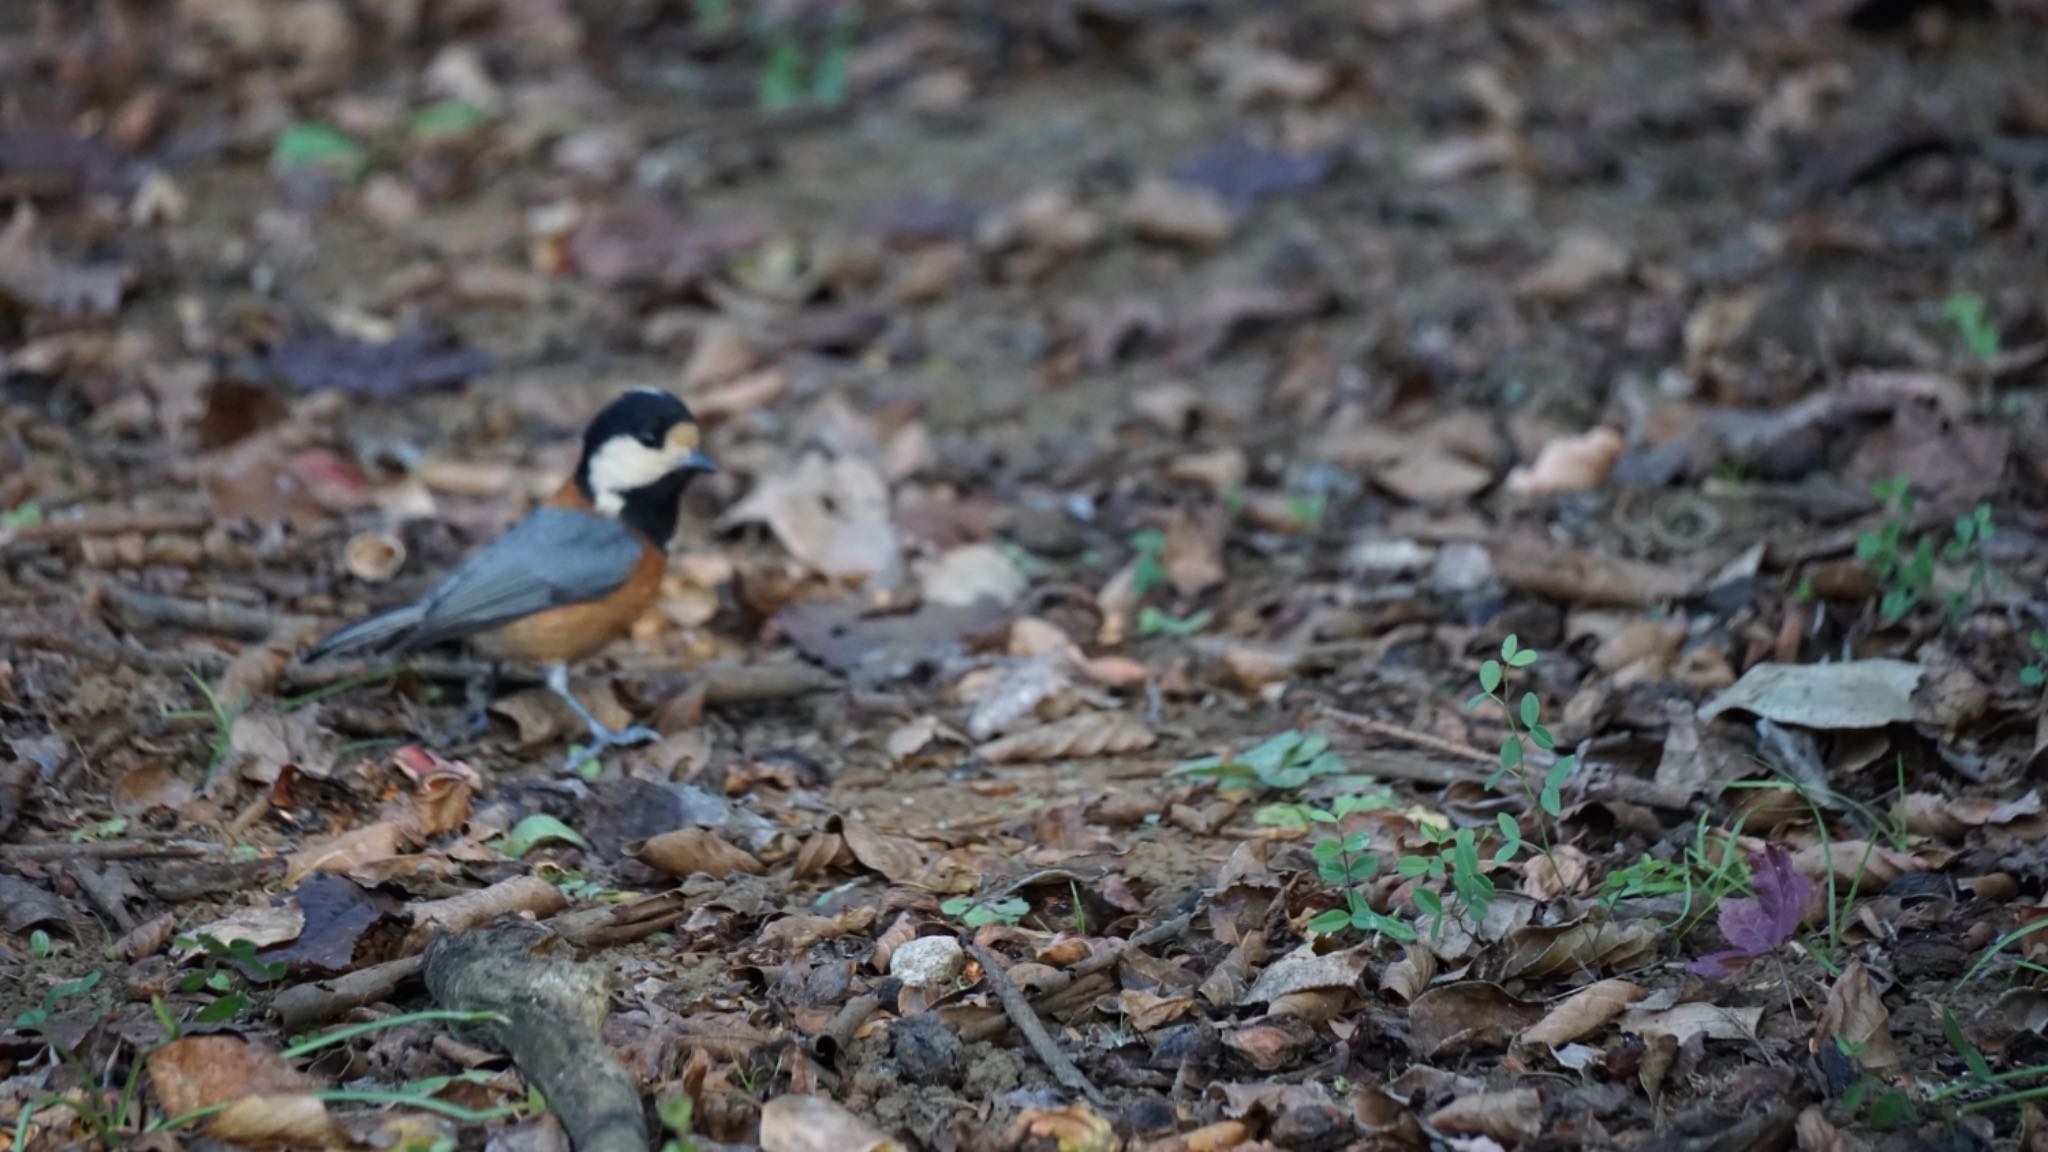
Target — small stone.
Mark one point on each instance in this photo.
(928, 962)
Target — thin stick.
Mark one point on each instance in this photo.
(1026, 1019)
(1421, 770)
(107, 522)
(238, 620)
(1410, 736)
(106, 850)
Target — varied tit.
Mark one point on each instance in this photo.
(573, 575)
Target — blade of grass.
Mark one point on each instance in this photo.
(355, 1030)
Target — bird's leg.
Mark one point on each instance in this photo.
(601, 737)
(476, 696)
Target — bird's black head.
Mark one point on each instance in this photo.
(638, 456)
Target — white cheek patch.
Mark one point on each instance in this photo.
(622, 465)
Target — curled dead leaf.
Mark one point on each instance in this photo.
(1467, 1015)
(1569, 464)
(1583, 1013)
(688, 851)
(1514, 1117)
(1076, 737)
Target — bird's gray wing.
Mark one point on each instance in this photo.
(555, 556)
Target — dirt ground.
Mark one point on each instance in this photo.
(1143, 426)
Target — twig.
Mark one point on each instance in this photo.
(1421, 770)
(303, 1005)
(241, 621)
(103, 891)
(107, 522)
(1060, 983)
(1410, 736)
(1026, 1019)
(107, 850)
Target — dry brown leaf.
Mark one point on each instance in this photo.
(1569, 464)
(1076, 737)
(815, 1124)
(1433, 476)
(1582, 261)
(1304, 971)
(832, 514)
(1583, 1013)
(1534, 563)
(970, 573)
(1855, 1013)
(150, 786)
(1685, 1021)
(1409, 975)
(263, 926)
(295, 1120)
(1470, 1014)
(1193, 557)
(1514, 1117)
(688, 851)
(1171, 213)
(1589, 944)
(353, 849)
(898, 858)
(195, 1072)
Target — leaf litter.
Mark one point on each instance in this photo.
(1066, 688)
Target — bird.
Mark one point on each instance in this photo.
(573, 574)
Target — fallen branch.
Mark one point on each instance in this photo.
(141, 609)
(1026, 1019)
(1419, 770)
(107, 522)
(555, 1011)
(1060, 983)
(1411, 736)
(304, 1005)
(107, 850)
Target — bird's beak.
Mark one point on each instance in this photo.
(697, 461)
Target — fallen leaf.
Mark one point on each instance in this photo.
(1076, 737)
(898, 858)
(1172, 213)
(1569, 464)
(1582, 260)
(1433, 476)
(1827, 697)
(348, 850)
(1193, 556)
(973, 572)
(263, 926)
(688, 851)
(194, 1072)
(845, 636)
(295, 1120)
(1534, 563)
(1303, 971)
(147, 788)
(1583, 1013)
(815, 1124)
(1855, 1014)
(832, 514)
(1758, 926)
(1515, 1117)
(1685, 1021)
(1453, 1018)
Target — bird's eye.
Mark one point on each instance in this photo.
(649, 437)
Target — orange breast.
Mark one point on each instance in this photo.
(577, 631)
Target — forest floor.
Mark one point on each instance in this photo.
(1391, 574)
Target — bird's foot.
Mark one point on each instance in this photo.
(583, 757)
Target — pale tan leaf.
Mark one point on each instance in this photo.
(1514, 1117)
(1079, 736)
(1583, 1013)
(195, 1072)
(688, 851)
(295, 1120)
(1855, 1013)
(898, 858)
(815, 1124)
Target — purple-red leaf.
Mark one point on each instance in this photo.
(1758, 926)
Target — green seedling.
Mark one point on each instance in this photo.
(533, 831)
(1907, 567)
(1280, 763)
(2034, 675)
(1972, 318)
(1150, 569)
(980, 913)
(1155, 622)
(231, 970)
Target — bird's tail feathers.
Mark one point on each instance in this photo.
(376, 632)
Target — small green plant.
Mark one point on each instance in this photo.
(104, 830)
(1979, 332)
(535, 830)
(793, 75)
(24, 515)
(1868, 1098)
(1709, 870)
(54, 998)
(1280, 763)
(979, 913)
(1156, 622)
(1454, 865)
(1345, 863)
(677, 1113)
(317, 147)
(230, 970)
(1149, 571)
(220, 713)
(1907, 567)
(39, 945)
(1514, 747)
(2034, 675)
